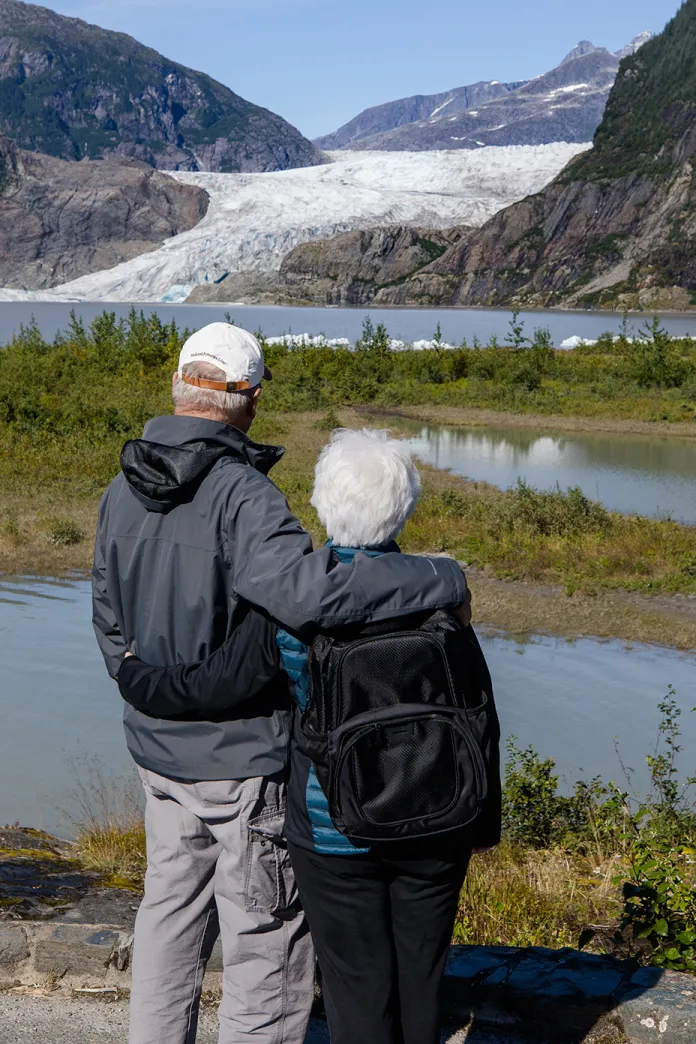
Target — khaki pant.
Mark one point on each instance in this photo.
(217, 863)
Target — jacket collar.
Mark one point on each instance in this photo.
(177, 431)
(347, 554)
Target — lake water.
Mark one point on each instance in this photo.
(645, 475)
(408, 324)
(58, 705)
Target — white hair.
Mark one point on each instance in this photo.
(189, 397)
(366, 487)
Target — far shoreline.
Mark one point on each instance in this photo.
(523, 310)
(473, 417)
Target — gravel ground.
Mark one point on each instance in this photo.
(55, 1020)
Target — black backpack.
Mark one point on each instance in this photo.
(401, 726)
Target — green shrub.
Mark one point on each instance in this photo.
(655, 359)
(9, 528)
(660, 903)
(63, 532)
(530, 798)
(549, 512)
(329, 422)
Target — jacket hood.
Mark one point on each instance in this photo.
(168, 464)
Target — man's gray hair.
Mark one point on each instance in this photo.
(366, 487)
(189, 397)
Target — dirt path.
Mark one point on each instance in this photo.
(59, 1020)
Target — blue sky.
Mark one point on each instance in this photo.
(319, 62)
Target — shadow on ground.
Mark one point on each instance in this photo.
(567, 996)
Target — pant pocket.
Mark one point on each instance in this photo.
(269, 886)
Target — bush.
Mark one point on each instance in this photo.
(103, 381)
(655, 359)
(660, 903)
(530, 799)
(549, 513)
(62, 532)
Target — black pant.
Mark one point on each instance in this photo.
(382, 924)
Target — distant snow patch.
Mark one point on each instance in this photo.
(441, 107)
(306, 340)
(571, 87)
(254, 220)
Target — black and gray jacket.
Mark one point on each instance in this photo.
(192, 533)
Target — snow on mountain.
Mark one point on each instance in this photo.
(254, 220)
(635, 44)
(518, 110)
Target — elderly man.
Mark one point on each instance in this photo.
(191, 534)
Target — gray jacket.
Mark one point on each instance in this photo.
(191, 535)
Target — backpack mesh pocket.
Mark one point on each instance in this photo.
(385, 672)
(405, 771)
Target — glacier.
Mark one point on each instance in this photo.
(254, 220)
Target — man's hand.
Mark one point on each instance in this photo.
(463, 612)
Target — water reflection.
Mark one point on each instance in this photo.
(634, 474)
(56, 700)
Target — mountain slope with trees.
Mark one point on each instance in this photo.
(73, 90)
(618, 226)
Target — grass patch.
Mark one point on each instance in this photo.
(555, 537)
(518, 896)
(61, 532)
(559, 537)
(116, 850)
(109, 827)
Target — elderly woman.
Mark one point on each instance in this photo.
(381, 915)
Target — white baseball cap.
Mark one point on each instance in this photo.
(233, 350)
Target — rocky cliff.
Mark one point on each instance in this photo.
(354, 268)
(565, 104)
(60, 220)
(73, 90)
(618, 226)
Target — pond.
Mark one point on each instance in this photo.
(645, 475)
(60, 711)
(408, 324)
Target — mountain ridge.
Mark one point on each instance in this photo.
(127, 101)
(495, 113)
